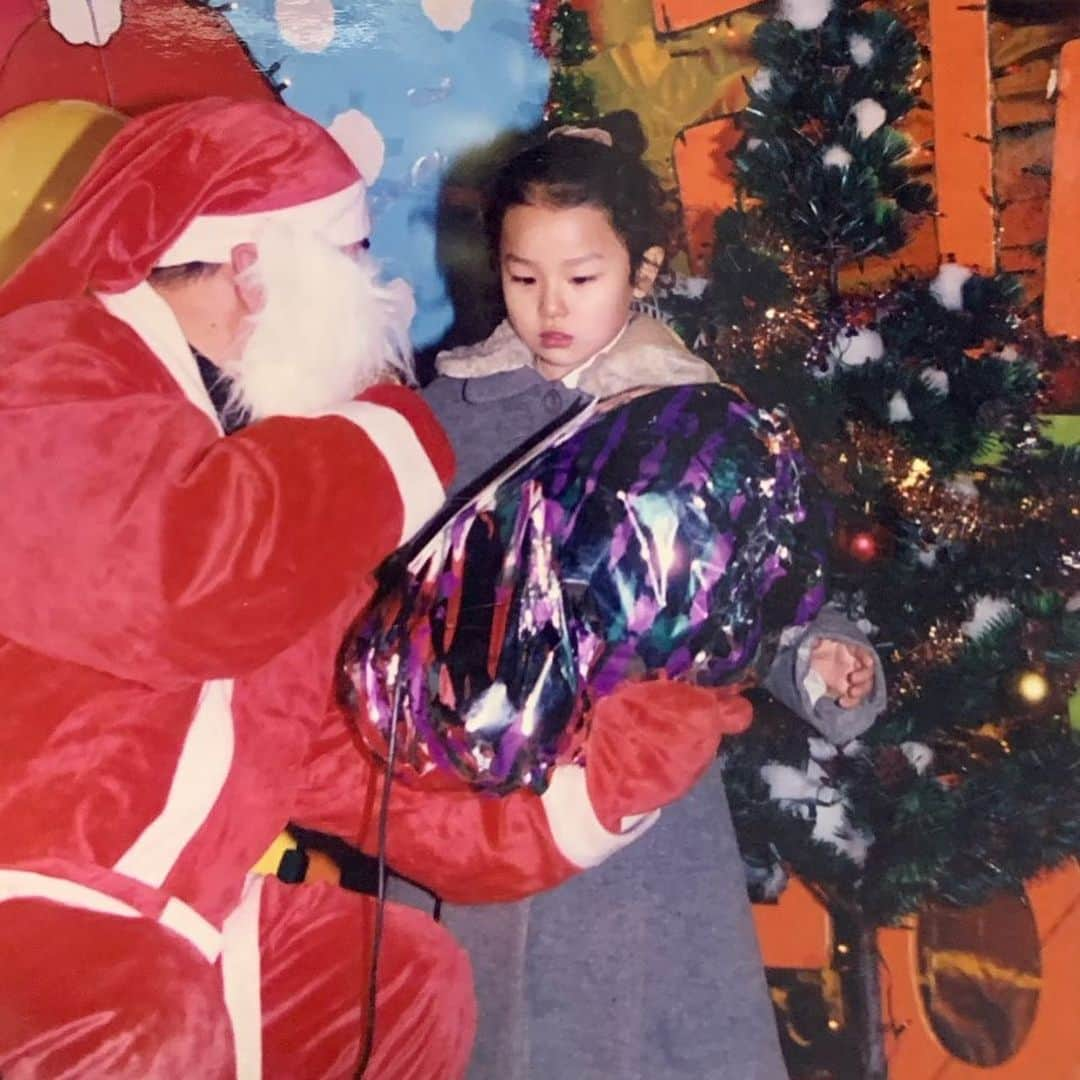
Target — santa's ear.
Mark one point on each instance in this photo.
(651, 262)
(248, 287)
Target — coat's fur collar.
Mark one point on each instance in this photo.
(646, 354)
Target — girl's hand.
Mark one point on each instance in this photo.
(848, 670)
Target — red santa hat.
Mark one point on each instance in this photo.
(186, 183)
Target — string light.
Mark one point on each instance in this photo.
(918, 471)
(931, 502)
(943, 643)
(1033, 687)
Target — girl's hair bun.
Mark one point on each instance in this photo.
(625, 130)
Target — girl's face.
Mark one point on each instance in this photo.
(566, 283)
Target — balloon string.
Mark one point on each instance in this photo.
(380, 909)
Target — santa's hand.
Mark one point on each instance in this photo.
(846, 669)
(650, 742)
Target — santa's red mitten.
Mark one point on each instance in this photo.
(650, 742)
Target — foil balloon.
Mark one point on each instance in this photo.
(638, 543)
(45, 150)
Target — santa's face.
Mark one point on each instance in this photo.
(326, 327)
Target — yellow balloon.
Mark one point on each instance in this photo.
(45, 150)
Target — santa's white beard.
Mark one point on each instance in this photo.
(328, 329)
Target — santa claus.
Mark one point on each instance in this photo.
(204, 452)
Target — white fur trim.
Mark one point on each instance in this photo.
(152, 319)
(242, 980)
(341, 218)
(575, 828)
(645, 353)
(417, 481)
(184, 920)
(28, 885)
(177, 916)
(501, 350)
(200, 774)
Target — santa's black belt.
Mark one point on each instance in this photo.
(355, 870)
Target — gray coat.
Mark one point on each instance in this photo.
(489, 418)
(646, 967)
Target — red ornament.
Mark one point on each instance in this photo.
(864, 547)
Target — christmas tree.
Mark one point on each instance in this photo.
(955, 539)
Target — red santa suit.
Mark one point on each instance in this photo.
(170, 610)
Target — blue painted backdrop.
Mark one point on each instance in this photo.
(387, 79)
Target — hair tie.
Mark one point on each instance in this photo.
(594, 133)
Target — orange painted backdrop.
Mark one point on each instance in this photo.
(795, 934)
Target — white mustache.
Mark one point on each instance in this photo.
(328, 329)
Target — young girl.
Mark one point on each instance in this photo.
(646, 966)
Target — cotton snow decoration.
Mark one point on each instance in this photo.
(899, 410)
(836, 157)
(854, 349)
(861, 49)
(948, 287)
(805, 14)
(869, 116)
(988, 611)
(935, 380)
